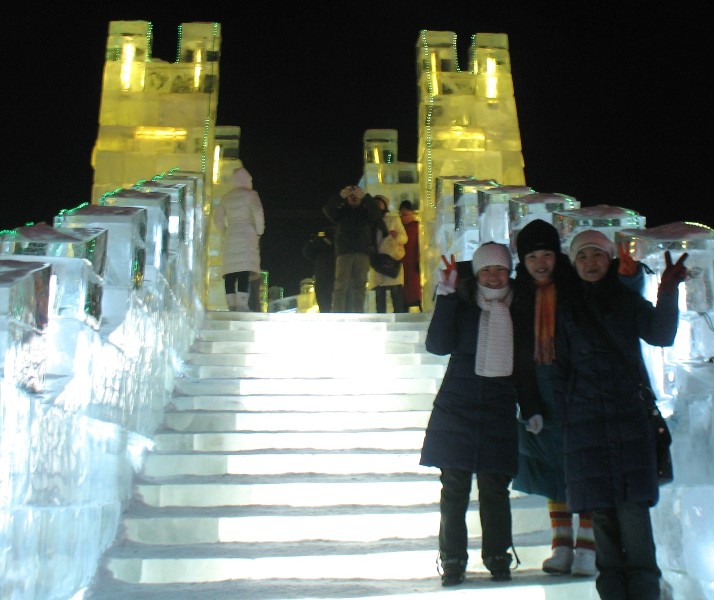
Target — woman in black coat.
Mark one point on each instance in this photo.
(472, 428)
(610, 462)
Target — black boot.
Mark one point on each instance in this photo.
(500, 566)
(453, 571)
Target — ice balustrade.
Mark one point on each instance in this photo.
(90, 341)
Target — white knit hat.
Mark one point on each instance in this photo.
(489, 254)
(591, 238)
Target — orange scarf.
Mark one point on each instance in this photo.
(544, 353)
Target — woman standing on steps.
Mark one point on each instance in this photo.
(472, 428)
(240, 219)
(543, 275)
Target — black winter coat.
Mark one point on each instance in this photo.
(609, 445)
(354, 232)
(473, 422)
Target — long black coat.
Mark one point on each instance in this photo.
(473, 422)
(609, 446)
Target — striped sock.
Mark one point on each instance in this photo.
(561, 522)
(586, 538)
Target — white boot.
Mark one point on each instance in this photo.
(560, 562)
(584, 563)
(242, 302)
(232, 301)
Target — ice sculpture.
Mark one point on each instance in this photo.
(493, 209)
(468, 125)
(24, 314)
(157, 220)
(538, 205)
(602, 217)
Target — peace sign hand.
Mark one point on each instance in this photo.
(448, 278)
(628, 265)
(673, 274)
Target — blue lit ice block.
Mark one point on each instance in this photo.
(42, 239)
(191, 199)
(493, 207)
(441, 236)
(466, 216)
(126, 241)
(157, 205)
(695, 336)
(177, 208)
(601, 217)
(538, 205)
(76, 288)
(24, 315)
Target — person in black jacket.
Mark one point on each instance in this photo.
(320, 249)
(472, 427)
(610, 461)
(354, 214)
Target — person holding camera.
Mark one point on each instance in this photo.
(354, 214)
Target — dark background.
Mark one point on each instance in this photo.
(613, 103)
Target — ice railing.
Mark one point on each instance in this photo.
(94, 321)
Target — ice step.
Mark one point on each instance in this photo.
(203, 421)
(358, 522)
(314, 440)
(333, 387)
(374, 403)
(280, 463)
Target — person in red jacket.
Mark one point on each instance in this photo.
(412, 276)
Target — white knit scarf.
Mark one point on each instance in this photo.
(494, 348)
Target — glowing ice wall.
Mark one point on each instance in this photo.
(468, 125)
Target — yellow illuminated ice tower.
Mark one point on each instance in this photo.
(156, 116)
(468, 125)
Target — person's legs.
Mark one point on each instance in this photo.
(584, 559)
(360, 273)
(561, 525)
(641, 570)
(243, 293)
(453, 534)
(611, 582)
(496, 528)
(380, 298)
(343, 276)
(397, 299)
(229, 284)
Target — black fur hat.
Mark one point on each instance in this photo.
(537, 235)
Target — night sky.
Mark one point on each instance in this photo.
(613, 106)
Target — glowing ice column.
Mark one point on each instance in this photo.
(468, 126)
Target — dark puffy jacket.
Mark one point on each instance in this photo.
(354, 224)
(609, 446)
(473, 422)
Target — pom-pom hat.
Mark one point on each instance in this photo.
(591, 238)
(490, 254)
(537, 235)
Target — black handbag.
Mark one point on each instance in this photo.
(662, 435)
(663, 438)
(385, 264)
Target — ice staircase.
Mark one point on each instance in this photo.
(287, 469)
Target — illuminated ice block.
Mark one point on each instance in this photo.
(126, 241)
(466, 216)
(601, 217)
(537, 205)
(493, 209)
(695, 336)
(24, 314)
(157, 205)
(42, 239)
(177, 207)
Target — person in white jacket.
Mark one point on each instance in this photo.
(390, 239)
(240, 219)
